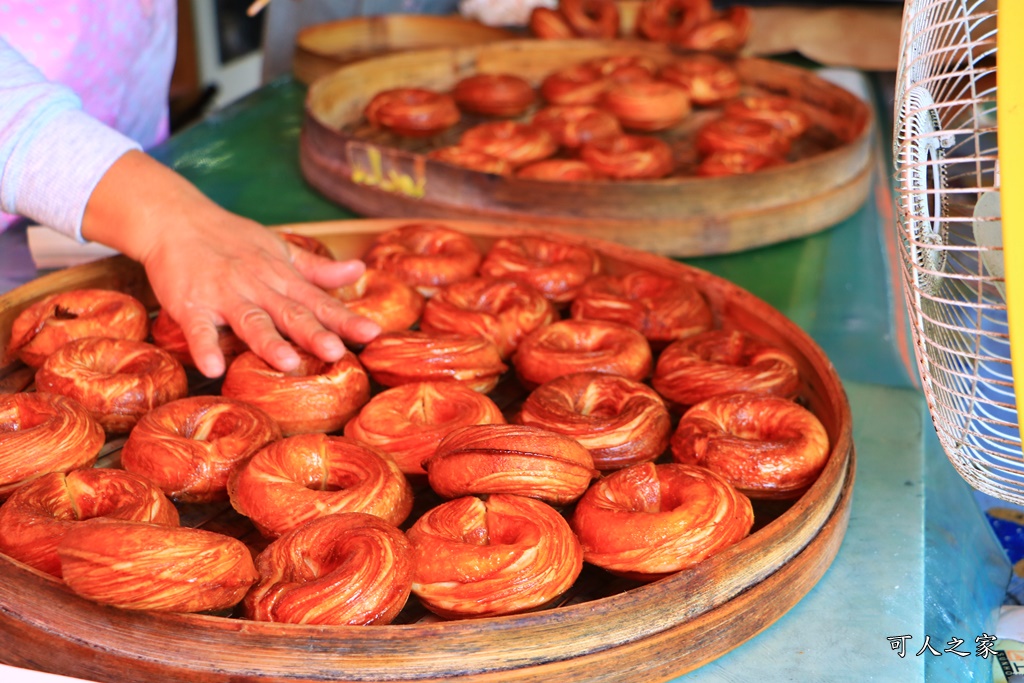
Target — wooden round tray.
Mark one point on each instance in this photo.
(382, 175)
(620, 632)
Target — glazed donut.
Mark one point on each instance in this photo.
(782, 113)
(306, 243)
(168, 335)
(139, 566)
(574, 125)
(39, 514)
(516, 143)
(580, 84)
(726, 32)
(728, 134)
(116, 380)
(314, 397)
(591, 18)
(629, 157)
(694, 369)
(560, 171)
(647, 105)
(472, 159)
(707, 80)
(494, 94)
(408, 421)
(40, 433)
(735, 162)
(549, 24)
(189, 447)
(624, 68)
(569, 346)
(555, 269)
(383, 298)
(516, 459)
(396, 358)
(503, 311)
(45, 326)
(621, 422)
(298, 478)
(412, 112)
(666, 21)
(510, 554)
(662, 308)
(765, 446)
(425, 255)
(648, 520)
(348, 568)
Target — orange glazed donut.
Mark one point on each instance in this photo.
(648, 520)
(291, 481)
(315, 397)
(662, 308)
(168, 335)
(189, 447)
(550, 24)
(503, 458)
(412, 112)
(667, 21)
(729, 134)
(580, 84)
(574, 125)
(408, 421)
(117, 380)
(647, 105)
(383, 298)
(307, 243)
(348, 568)
(624, 68)
(555, 269)
(134, 565)
(591, 18)
(735, 162)
(560, 171)
(53, 321)
(472, 159)
(396, 358)
(782, 113)
(494, 94)
(510, 554)
(425, 255)
(722, 362)
(621, 422)
(708, 80)
(629, 157)
(42, 433)
(569, 346)
(516, 143)
(503, 311)
(39, 514)
(726, 32)
(765, 446)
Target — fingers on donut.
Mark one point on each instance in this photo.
(191, 446)
(621, 422)
(647, 521)
(347, 568)
(473, 159)
(291, 481)
(42, 432)
(574, 125)
(42, 328)
(591, 18)
(412, 112)
(516, 143)
(569, 346)
(517, 459)
(315, 397)
(116, 380)
(629, 157)
(168, 335)
(383, 298)
(507, 555)
(408, 422)
(139, 566)
(694, 369)
(425, 255)
(555, 269)
(397, 358)
(765, 446)
(494, 94)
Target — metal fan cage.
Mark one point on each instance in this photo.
(946, 159)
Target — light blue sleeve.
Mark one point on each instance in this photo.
(52, 154)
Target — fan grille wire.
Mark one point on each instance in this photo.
(946, 152)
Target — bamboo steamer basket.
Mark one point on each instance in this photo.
(678, 216)
(615, 632)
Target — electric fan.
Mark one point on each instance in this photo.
(958, 153)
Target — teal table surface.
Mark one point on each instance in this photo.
(918, 563)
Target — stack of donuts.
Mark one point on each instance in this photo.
(527, 412)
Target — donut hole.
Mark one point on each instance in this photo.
(63, 313)
(205, 427)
